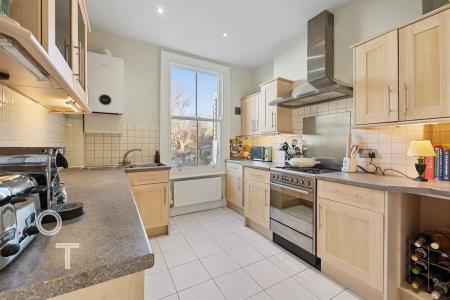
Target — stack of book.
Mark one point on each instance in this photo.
(438, 167)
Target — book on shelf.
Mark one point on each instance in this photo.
(439, 166)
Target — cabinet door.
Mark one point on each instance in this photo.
(257, 202)
(424, 68)
(153, 203)
(269, 93)
(28, 14)
(233, 189)
(79, 42)
(350, 239)
(376, 80)
(246, 120)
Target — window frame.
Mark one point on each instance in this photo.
(168, 60)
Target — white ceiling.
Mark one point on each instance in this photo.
(255, 27)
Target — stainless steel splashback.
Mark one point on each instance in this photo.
(326, 138)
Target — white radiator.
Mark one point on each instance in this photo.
(196, 191)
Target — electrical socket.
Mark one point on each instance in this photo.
(367, 153)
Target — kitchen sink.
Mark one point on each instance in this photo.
(144, 165)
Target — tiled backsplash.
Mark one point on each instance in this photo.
(108, 149)
(390, 142)
(24, 122)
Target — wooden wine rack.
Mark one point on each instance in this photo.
(429, 261)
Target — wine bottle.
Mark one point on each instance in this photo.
(418, 254)
(417, 283)
(440, 291)
(438, 276)
(443, 261)
(441, 239)
(423, 238)
(419, 267)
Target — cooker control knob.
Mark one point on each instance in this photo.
(302, 181)
(295, 180)
(291, 179)
(308, 183)
(273, 175)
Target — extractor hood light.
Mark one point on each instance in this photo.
(7, 45)
(73, 105)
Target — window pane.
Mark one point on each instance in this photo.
(184, 143)
(207, 95)
(207, 143)
(182, 92)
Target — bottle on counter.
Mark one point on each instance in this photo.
(440, 291)
(423, 238)
(417, 283)
(419, 253)
(157, 158)
(419, 267)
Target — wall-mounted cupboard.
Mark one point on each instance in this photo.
(402, 75)
(258, 117)
(50, 37)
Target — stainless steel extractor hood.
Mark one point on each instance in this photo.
(320, 86)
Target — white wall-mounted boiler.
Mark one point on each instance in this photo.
(106, 83)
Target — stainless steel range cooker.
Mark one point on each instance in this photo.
(293, 210)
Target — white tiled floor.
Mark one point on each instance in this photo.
(210, 255)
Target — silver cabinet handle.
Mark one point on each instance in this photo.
(320, 219)
(406, 96)
(389, 98)
(348, 194)
(239, 184)
(165, 196)
(273, 119)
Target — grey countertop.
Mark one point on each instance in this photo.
(262, 165)
(112, 241)
(398, 184)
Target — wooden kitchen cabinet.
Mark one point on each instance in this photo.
(250, 114)
(234, 187)
(257, 200)
(350, 236)
(376, 80)
(29, 14)
(258, 117)
(151, 193)
(275, 119)
(425, 68)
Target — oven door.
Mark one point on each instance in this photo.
(293, 207)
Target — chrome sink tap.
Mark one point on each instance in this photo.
(124, 159)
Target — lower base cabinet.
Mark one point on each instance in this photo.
(350, 237)
(152, 200)
(257, 200)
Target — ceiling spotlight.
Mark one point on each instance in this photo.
(224, 34)
(160, 10)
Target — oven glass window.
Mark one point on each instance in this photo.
(294, 203)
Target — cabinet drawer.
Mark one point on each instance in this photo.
(234, 168)
(357, 196)
(257, 175)
(139, 178)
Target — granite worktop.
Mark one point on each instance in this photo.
(111, 237)
(433, 188)
(262, 165)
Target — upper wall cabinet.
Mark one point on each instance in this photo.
(48, 38)
(425, 68)
(376, 80)
(258, 117)
(275, 119)
(404, 74)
